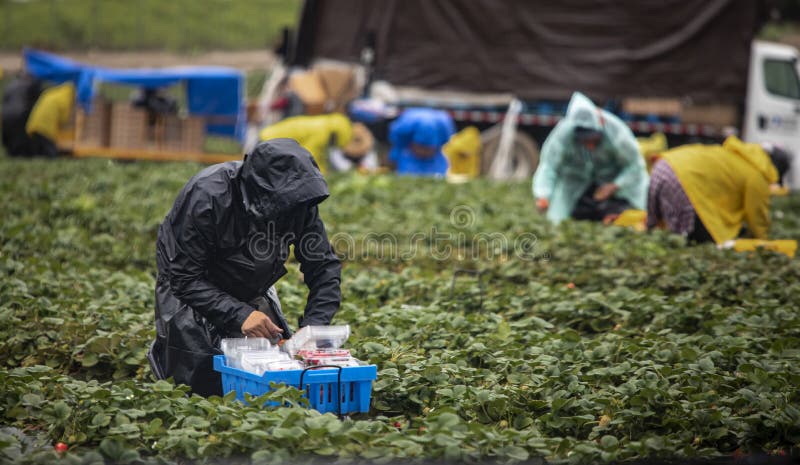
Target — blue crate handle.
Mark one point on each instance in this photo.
(338, 385)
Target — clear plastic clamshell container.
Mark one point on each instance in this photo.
(313, 353)
(332, 361)
(317, 337)
(284, 365)
(258, 362)
(251, 354)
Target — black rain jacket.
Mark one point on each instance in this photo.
(19, 97)
(224, 243)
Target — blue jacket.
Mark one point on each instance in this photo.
(421, 126)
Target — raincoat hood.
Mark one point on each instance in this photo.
(424, 126)
(753, 154)
(278, 176)
(567, 168)
(582, 113)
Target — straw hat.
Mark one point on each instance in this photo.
(361, 142)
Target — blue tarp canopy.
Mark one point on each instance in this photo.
(216, 93)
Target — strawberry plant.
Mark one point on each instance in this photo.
(580, 344)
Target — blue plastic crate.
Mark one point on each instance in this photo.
(321, 385)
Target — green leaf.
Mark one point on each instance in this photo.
(608, 442)
(61, 410)
(162, 386)
(294, 432)
(89, 360)
(655, 443)
(195, 422)
(32, 400)
(514, 453)
(706, 364)
(100, 420)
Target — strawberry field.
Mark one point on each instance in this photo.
(575, 344)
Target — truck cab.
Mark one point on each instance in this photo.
(772, 110)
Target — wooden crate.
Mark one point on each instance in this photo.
(182, 134)
(652, 106)
(719, 115)
(129, 128)
(93, 129)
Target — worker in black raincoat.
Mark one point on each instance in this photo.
(222, 247)
(19, 97)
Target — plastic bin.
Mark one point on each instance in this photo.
(323, 386)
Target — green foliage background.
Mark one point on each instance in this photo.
(185, 25)
(659, 350)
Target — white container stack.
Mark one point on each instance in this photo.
(311, 346)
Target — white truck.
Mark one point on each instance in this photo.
(772, 111)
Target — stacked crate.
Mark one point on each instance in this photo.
(92, 128)
(129, 128)
(182, 134)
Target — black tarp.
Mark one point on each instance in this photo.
(543, 49)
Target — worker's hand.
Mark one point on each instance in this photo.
(258, 324)
(542, 205)
(605, 191)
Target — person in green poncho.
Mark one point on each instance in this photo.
(590, 166)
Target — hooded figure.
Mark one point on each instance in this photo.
(707, 192)
(463, 153)
(314, 133)
(417, 137)
(591, 157)
(221, 248)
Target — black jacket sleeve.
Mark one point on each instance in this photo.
(194, 238)
(321, 270)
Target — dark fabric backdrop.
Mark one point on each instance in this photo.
(544, 49)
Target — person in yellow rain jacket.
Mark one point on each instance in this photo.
(463, 152)
(313, 133)
(52, 111)
(707, 192)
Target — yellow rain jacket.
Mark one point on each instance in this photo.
(313, 133)
(651, 148)
(463, 153)
(51, 111)
(727, 184)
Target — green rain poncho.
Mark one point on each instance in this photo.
(566, 169)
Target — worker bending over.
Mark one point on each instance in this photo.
(359, 155)
(51, 112)
(708, 192)
(417, 137)
(222, 247)
(314, 133)
(590, 166)
(19, 96)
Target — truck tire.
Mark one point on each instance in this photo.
(525, 158)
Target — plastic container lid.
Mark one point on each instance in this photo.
(317, 337)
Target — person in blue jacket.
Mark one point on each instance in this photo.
(417, 137)
(590, 166)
